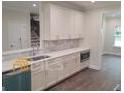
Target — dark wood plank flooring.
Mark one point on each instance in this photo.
(92, 80)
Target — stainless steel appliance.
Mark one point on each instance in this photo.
(85, 55)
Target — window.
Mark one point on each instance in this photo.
(117, 36)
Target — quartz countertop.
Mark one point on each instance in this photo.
(8, 65)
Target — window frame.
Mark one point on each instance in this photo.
(115, 36)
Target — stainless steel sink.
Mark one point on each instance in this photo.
(38, 58)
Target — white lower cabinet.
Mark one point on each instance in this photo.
(51, 72)
(47, 73)
(71, 64)
(62, 67)
(76, 62)
(59, 62)
(67, 69)
(38, 76)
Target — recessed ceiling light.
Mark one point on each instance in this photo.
(93, 1)
(34, 5)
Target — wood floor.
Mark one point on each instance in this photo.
(92, 80)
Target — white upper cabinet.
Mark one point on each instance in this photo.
(61, 23)
(78, 24)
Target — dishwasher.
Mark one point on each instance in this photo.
(16, 81)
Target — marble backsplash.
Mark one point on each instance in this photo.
(55, 45)
(58, 45)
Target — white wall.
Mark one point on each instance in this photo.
(15, 23)
(93, 37)
(108, 36)
(93, 34)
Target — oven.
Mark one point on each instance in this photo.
(85, 55)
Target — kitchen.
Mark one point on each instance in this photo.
(55, 41)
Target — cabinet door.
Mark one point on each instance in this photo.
(71, 64)
(77, 62)
(61, 22)
(68, 65)
(38, 76)
(78, 24)
(68, 68)
(60, 67)
(52, 68)
(14, 40)
(46, 22)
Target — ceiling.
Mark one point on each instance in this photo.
(88, 5)
(82, 5)
(22, 5)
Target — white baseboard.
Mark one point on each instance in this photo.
(111, 53)
(94, 67)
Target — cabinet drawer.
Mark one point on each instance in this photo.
(37, 67)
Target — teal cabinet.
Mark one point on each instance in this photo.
(17, 81)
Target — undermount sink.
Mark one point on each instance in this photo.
(38, 58)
